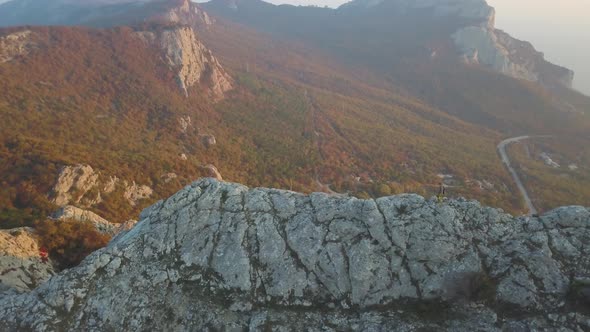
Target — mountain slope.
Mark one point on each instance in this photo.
(400, 29)
(101, 97)
(298, 115)
(412, 49)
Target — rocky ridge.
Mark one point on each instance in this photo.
(222, 256)
(176, 38)
(469, 9)
(482, 44)
(73, 213)
(183, 49)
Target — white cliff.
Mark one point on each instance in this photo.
(221, 256)
(478, 42)
(193, 61)
(481, 43)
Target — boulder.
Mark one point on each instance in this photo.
(212, 172)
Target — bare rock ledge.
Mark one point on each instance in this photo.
(221, 256)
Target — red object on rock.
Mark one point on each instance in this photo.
(44, 255)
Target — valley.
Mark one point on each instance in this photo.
(237, 165)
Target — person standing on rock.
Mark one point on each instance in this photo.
(44, 255)
(442, 190)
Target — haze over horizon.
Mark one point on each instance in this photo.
(561, 32)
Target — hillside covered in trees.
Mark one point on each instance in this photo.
(299, 116)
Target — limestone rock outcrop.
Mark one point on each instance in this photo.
(76, 214)
(134, 192)
(73, 183)
(82, 186)
(187, 13)
(499, 51)
(221, 256)
(16, 44)
(195, 63)
(21, 267)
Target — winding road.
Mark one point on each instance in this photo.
(502, 150)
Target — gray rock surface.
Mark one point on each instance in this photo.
(221, 256)
(21, 268)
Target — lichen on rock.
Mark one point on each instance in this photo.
(222, 256)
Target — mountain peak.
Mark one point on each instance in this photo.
(102, 13)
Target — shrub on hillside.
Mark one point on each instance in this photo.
(69, 242)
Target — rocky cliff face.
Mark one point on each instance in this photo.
(220, 256)
(187, 13)
(182, 49)
(194, 62)
(81, 185)
(481, 43)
